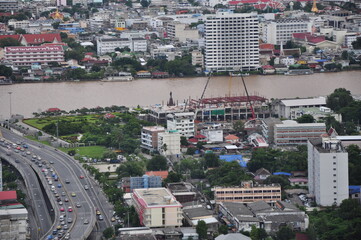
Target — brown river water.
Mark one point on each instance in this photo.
(34, 97)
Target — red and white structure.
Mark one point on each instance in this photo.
(26, 56)
(157, 207)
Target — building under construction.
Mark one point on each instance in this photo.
(229, 108)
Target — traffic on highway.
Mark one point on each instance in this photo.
(76, 198)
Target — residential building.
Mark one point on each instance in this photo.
(262, 215)
(26, 56)
(290, 132)
(197, 58)
(327, 171)
(231, 41)
(284, 107)
(157, 207)
(169, 142)
(108, 45)
(9, 5)
(182, 122)
(213, 134)
(182, 32)
(267, 128)
(248, 192)
(149, 137)
(182, 191)
(145, 182)
(280, 31)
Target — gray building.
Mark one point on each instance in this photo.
(145, 182)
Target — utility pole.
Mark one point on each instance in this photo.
(10, 103)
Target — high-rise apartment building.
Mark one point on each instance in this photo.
(327, 171)
(182, 122)
(231, 41)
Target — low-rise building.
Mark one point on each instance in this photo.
(290, 132)
(145, 182)
(182, 122)
(182, 191)
(169, 142)
(108, 45)
(157, 207)
(284, 107)
(26, 56)
(248, 192)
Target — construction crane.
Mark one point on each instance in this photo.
(248, 99)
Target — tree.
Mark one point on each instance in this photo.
(258, 233)
(9, 42)
(157, 163)
(223, 229)
(357, 44)
(238, 126)
(350, 209)
(5, 71)
(20, 31)
(338, 99)
(108, 232)
(145, 3)
(285, 233)
(56, 26)
(202, 229)
(173, 177)
(183, 141)
(211, 160)
(306, 118)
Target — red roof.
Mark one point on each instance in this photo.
(53, 110)
(267, 46)
(17, 37)
(162, 174)
(109, 115)
(40, 38)
(199, 136)
(193, 140)
(8, 195)
(231, 137)
(267, 67)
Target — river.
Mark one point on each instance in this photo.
(27, 98)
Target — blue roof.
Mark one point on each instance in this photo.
(352, 189)
(321, 60)
(231, 158)
(282, 173)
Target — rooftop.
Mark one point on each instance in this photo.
(154, 197)
(304, 102)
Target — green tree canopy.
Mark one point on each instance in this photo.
(339, 98)
(202, 229)
(306, 118)
(8, 42)
(211, 160)
(257, 233)
(5, 71)
(157, 163)
(285, 233)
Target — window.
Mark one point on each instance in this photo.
(334, 180)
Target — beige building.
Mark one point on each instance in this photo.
(248, 192)
(169, 142)
(157, 207)
(197, 58)
(182, 32)
(149, 137)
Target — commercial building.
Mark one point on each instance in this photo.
(182, 122)
(327, 171)
(149, 137)
(284, 107)
(108, 45)
(290, 132)
(26, 56)
(157, 207)
(248, 192)
(231, 41)
(9, 5)
(169, 142)
(145, 182)
(182, 32)
(280, 31)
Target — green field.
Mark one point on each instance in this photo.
(35, 139)
(90, 151)
(39, 123)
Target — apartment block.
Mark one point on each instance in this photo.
(149, 137)
(26, 56)
(231, 41)
(197, 58)
(157, 207)
(169, 142)
(292, 133)
(145, 182)
(108, 45)
(182, 122)
(182, 32)
(248, 192)
(280, 31)
(9, 5)
(327, 171)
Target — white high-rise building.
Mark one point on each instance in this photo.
(182, 122)
(327, 171)
(231, 41)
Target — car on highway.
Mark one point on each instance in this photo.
(60, 203)
(100, 217)
(70, 209)
(62, 209)
(67, 236)
(51, 162)
(67, 181)
(86, 187)
(28, 153)
(73, 194)
(97, 212)
(78, 205)
(59, 185)
(70, 220)
(86, 221)
(112, 219)
(63, 194)
(55, 231)
(65, 227)
(58, 227)
(81, 177)
(66, 199)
